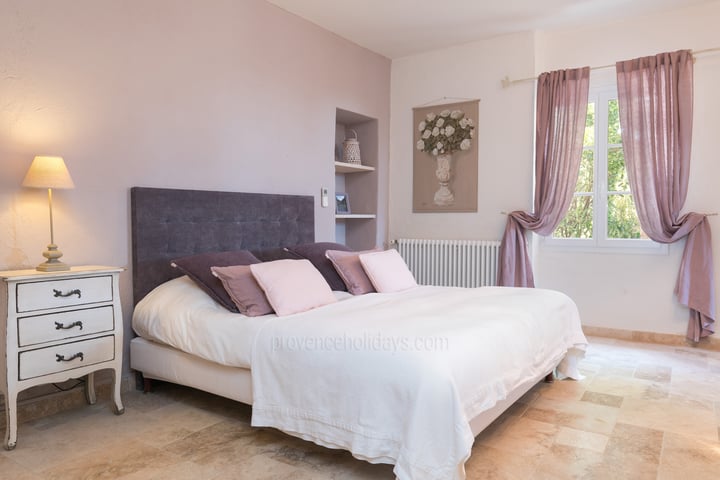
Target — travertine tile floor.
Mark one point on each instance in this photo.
(642, 412)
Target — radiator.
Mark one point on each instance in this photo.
(456, 263)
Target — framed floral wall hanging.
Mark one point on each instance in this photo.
(445, 162)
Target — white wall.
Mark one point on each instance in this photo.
(503, 134)
(216, 95)
(635, 292)
(631, 292)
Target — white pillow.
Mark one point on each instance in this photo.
(292, 286)
(387, 271)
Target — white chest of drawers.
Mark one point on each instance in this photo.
(58, 326)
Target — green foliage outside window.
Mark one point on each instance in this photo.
(622, 220)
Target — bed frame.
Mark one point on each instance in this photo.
(168, 223)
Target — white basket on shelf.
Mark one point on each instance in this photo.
(351, 150)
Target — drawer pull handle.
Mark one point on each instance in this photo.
(61, 358)
(60, 326)
(58, 293)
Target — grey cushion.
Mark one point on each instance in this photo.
(315, 252)
(198, 266)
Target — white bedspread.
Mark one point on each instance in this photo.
(395, 378)
(179, 314)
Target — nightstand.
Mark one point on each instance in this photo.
(58, 326)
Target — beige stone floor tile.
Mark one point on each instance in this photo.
(689, 458)
(611, 370)
(38, 450)
(533, 438)
(566, 462)
(690, 361)
(490, 463)
(290, 457)
(655, 373)
(602, 399)
(189, 417)
(581, 439)
(675, 415)
(701, 385)
(223, 443)
(69, 416)
(577, 414)
(177, 471)
(9, 469)
(631, 453)
(628, 387)
(116, 462)
(262, 468)
(159, 433)
(104, 427)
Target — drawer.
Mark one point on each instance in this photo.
(47, 328)
(44, 361)
(66, 292)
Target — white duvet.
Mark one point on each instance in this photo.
(396, 378)
(393, 378)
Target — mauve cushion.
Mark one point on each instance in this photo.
(198, 266)
(387, 271)
(348, 266)
(243, 289)
(292, 286)
(315, 252)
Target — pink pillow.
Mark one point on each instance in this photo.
(292, 286)
(387, 271)
(243, 289)
(348, 266)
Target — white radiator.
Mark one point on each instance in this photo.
(455, 263)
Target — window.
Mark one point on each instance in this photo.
(602, 213)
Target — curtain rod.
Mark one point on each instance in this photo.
(506, 82)
(443, 99)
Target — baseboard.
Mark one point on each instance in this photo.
(46, 400)
(707, 343)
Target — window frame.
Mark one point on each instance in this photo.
(600, 243)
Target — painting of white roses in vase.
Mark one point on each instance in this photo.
(445, 159)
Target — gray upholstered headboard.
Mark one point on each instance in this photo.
(170, 223)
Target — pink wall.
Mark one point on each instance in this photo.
(220, 94)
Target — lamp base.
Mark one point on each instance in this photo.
(53, 263)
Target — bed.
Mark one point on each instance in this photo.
(401, 378)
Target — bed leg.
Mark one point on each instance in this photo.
(550, 377)
(147, 385)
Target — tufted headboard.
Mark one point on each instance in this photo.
(171, 223)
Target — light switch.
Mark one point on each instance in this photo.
(324, 197)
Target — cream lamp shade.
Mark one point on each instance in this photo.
(49, 172)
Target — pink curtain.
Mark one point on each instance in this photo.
(562, 98)
(655, 97)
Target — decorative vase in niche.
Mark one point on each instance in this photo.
(444, 196)
(351, 150)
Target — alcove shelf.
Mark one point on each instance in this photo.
(358, 228)
(342, 167)
(348, 216)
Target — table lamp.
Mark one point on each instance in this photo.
(49, 172)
